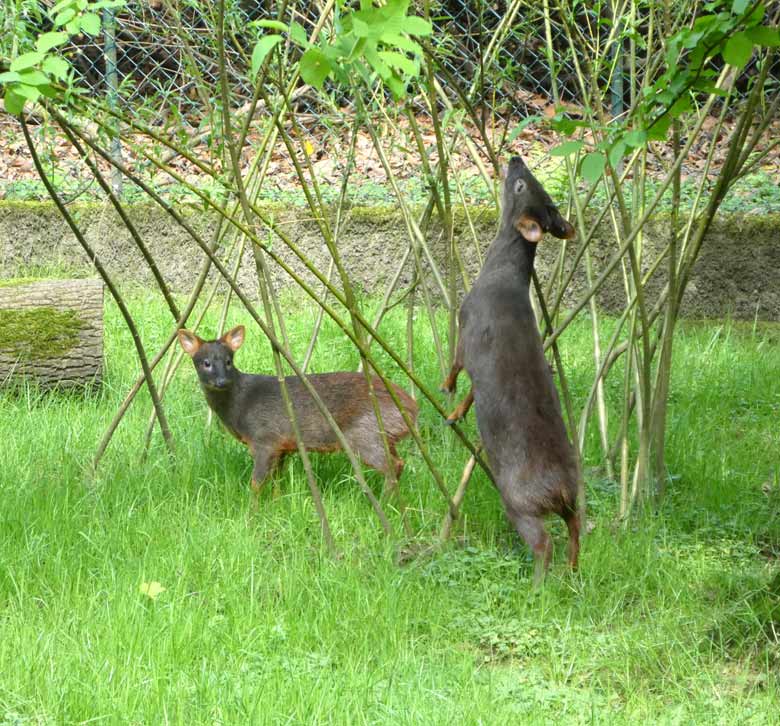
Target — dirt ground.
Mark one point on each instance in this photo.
(327, 143)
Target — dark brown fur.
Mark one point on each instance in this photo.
(252, 409)
(517, 406)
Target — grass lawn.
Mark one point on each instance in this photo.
(671, 619)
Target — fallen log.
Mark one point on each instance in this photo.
(51, 332)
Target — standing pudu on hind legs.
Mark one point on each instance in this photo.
(517, 405)
(252, 409)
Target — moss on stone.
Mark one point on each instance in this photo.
(275, 207)
(746, 225)
(482, 215)
(748, 228)
(377, 214)
(39, 333)
(27, 206)
(18, 281)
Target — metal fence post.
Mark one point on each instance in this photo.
(112, 94)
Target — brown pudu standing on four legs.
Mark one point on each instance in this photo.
(252, 409)
(517, 406)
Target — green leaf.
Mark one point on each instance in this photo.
(314, 67)
(566, 148)
(64, 17)
(48, 91)
(563, 125)
(31, 93)
(400, 41)
(34, 78)
(56, 67)
(635, 138)
(334, 54)
(691, 38)
(400, 61)
(680, 106)
(13, 102)
(342, 47)
(357, 49)
(704, 21)
(376, 62)
(738, 50)
(272, 25)
(617, 152)
(757, 15)
(397, 7)
(263, 47)
(764, 36)
(26, 60)
(739, 6)
(10, 77)
(659, 129)
(102, 4)
(673, 51)
(593, 166)
(90, 23)
(392, 26)
(59, 6)
(393, 11)
(50, 40)
(517, 130)
(397, 86)
(679, 82)
(361, 29)
(298, 35)
(416, 26)
(74, 26)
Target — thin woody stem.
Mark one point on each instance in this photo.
(101, 270)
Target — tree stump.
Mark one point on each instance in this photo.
(51, 331)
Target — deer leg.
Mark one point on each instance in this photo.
(572, 520)
(531, 529)
(264, 465)
(451, 381)
(372, 454)
(393, 472)
(461, 409)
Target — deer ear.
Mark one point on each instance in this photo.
(529, 228)
(189, 341)
(234, 338)
(561, 227)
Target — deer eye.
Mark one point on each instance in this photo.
(228, 363)
(206, 363)
(520, 186)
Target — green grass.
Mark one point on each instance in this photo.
(669, 620)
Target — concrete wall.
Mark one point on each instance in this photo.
(737, 273)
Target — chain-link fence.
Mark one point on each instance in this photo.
(166, 51)
(159, 56)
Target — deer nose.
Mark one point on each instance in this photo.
(221, 382)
